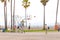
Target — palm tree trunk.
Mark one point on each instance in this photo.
(14, 14)
(56, 26)
(57, 11)
(44, 19)
(26, 16)
(5, 14)
(11, 14)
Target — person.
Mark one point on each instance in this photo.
(29, 27)
(14, 27)
(48, 27)
(58, 29)
(22, 25)
(19, 26)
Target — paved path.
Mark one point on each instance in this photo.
(30, 36)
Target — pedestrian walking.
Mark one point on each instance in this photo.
(22, 25)
(29, 26)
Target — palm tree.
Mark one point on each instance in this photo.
(11, 14)
(57, 13)
(44, 4)
(5, 12)
(26, 4)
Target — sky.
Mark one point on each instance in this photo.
(35, 9)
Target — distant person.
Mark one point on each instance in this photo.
(58, 29)
(22, 25)
(14, 27)
(18, 27)
(29, 27)
(48, 27)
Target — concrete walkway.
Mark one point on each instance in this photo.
(30, 36)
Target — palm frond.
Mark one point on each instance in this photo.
(25, 0)
(2, 0)
(8, 0)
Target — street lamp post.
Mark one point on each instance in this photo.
(44, 4)
(26, 4)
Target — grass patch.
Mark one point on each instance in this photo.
(31, 31)
(40, 30)
(52, 30)
(7, 30)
